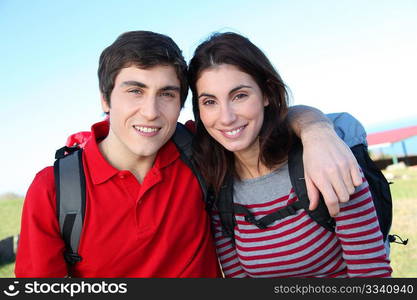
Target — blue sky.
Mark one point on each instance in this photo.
(355, 56)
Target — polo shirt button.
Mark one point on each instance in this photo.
(124, 174)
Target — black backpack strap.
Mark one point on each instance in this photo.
(296, 170)
(378, 186)
(183, 139)
(267, 220)
(226, 207)
(70, 197)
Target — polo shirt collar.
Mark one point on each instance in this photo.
(101, 170)
(166, 155)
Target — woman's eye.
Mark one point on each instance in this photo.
(209, 102)
(240, 96)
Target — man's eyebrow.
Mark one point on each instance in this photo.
(134, 83)
(171, 88)
(142, 85)
(239, 87)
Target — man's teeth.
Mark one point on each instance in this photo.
(146, 129)
(234, 132)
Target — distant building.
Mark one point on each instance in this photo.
(389, 138)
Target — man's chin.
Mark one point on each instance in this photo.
(146, 153)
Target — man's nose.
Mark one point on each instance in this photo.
(150, 109)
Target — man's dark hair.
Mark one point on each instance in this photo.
(143, 49)
(230, 48)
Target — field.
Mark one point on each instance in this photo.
(10, 209)
(404, 192)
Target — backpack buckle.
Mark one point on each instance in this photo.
(72, 258)
(250, 219)
(291, 210)
(62, 152)
(260, 224)
(257, 223)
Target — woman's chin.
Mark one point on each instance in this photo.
(233, 148)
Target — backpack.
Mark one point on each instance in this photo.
(71, 193)
(378, 186)
(354, 135)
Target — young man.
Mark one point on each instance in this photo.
(144, 214)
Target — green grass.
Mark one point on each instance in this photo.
(404, 194)
(10, 210)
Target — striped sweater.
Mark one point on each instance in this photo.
(297, 246)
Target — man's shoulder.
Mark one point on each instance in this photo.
(45, 174)
(44, 181)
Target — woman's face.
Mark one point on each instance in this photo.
(231, 107)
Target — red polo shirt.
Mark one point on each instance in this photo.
(155, 229)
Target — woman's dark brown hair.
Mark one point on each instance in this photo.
(214, 161)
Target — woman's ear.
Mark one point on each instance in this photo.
(266, 101)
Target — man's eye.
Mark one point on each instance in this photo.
(168, 94)
(135, 91)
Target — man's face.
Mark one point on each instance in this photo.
(144, 109)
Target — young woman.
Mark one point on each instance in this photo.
(240, 107)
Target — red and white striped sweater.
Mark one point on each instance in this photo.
(299, 247)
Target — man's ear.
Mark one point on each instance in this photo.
(104, 105)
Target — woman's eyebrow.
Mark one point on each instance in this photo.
(238, 88)
(206, 95)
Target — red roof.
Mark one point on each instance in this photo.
(391, 136)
